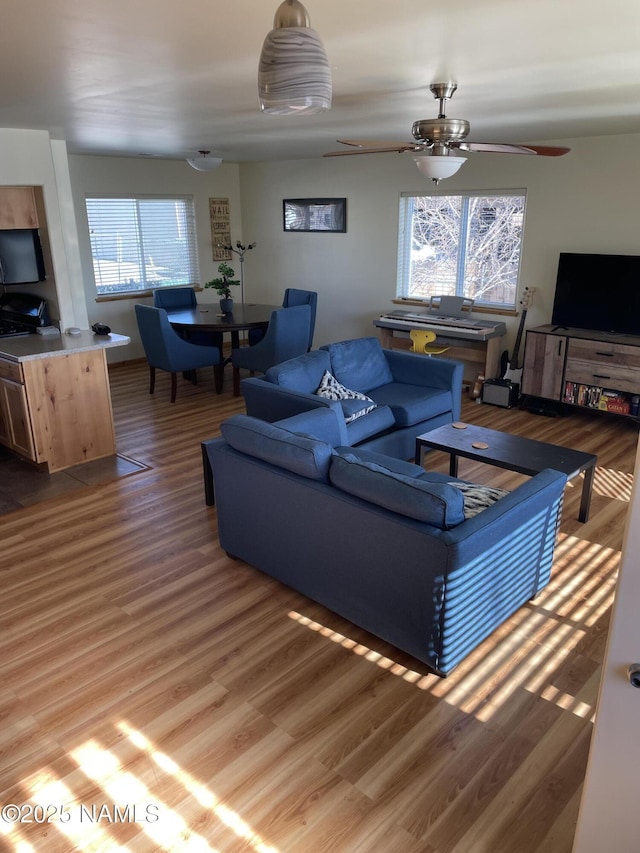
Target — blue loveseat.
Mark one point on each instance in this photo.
(378, 540)
(412, 393)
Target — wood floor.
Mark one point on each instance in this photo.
(171, 699)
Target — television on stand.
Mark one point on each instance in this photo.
(598, 292)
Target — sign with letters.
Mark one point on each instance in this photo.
(220, 219)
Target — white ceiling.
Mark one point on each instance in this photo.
(168, 78)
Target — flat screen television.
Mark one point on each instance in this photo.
(598, 292)
(21, 260)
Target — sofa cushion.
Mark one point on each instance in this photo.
(399, 466)
(476, 497)
(412, 404)
(359, 364)
(440, 505)
(303, 373)
(373, 423)
(300, 454)
(354, 403)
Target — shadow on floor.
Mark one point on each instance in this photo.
(22, 484)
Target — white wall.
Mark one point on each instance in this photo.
(607, 819)
(584, 201)
(122, 175)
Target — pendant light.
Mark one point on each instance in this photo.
(438, 166)
(204, 163)
(293, 73)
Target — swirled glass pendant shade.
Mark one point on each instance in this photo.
(293, 74)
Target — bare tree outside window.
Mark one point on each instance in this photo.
(461, 245)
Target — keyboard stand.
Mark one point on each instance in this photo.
(478, 356)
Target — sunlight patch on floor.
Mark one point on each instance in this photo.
(203, 795)
(568, 702)
(85, 836)
(612, 484)
(526, 651)
(124, 798)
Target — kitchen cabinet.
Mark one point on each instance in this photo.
(18, 208)
(55, 401)
(15, 424)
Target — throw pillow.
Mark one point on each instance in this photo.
(331, 389)
(476, 497)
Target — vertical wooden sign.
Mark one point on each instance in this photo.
(220, 228)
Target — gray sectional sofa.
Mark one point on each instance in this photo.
(411, 393)
(378, 540)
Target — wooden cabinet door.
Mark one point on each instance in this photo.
(544, 358)
(15, 424)
(18, 208)
(70, 402)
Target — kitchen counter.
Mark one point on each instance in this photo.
(55, 401)
(29, 347)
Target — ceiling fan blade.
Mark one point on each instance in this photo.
(500, 148)
(373, 143)
(399, 149)
(548, 150)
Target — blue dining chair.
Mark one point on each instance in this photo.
(292, 297)
(175, 298)
(287, 336)
(166, 350)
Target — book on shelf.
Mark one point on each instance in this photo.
(582, 395)
(596, 397)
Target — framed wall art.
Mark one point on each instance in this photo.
(315, 214)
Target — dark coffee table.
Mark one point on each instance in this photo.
(513, 452)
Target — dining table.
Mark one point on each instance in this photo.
(208, 317)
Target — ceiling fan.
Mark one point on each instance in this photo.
(437, 140)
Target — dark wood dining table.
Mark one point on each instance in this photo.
(208, 317)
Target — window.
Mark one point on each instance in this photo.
(461, 245)
(142, 243)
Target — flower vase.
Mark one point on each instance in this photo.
(226, 306)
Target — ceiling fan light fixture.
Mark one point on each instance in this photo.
(438, 166)
(204, 163)
(293, 73)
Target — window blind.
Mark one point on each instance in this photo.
(142, 242)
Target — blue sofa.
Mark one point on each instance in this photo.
(378, 540)
(412, 393)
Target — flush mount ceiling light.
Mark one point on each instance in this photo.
(204, 163)
(293, 73)
(438, 166)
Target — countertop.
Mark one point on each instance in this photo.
(30, 347)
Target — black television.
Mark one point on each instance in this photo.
(598, 292)
(21, 260)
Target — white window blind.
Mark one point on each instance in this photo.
(468, 244)
(142, 242)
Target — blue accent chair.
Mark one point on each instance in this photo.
(287, 336)
(166, 350)
(292, 297)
